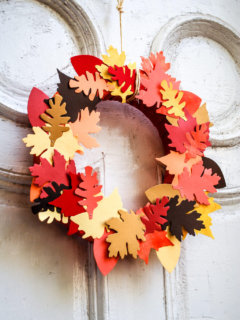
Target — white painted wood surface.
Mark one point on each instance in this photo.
(45, 274)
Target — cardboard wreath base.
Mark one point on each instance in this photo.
(67, 123)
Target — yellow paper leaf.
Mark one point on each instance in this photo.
(114, 58)
(85, 125)
(201, 115)
(117, 91)
(175, 163)
(173, 121)
(107, 208)
(129, 229)
(169, 256)
(161, 190)
(173, 98)
(50, 216)
(67, 144)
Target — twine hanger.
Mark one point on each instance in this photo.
(120, 10)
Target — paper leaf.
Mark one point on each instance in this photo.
(85, 125)
(129, 229)
(68, 200)
(193, 184)
(123, 75)
(172, 100)
(179, 217)
(197, 141)
(201, 115)
(88, 85)
(35, 191)
(154, 240)
(175, 162)
(107, 208)
(154, 72)
(210, 164)
(206, 219)
(117, 91)
(161, 190)
(67, 144)
(36, 106)
(83, 63)
(89, 190)
(155, 215)
(74, 101)
(57, 121)
(169, 256)
(45, 172)
(52, 192)
(178, 134)
(50, 216)
(100, 251)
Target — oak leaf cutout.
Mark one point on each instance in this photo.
(172, 100)
(54, 117)
(89, 190)
(90, 86)
(50, 216)
(67, 144)
(128, 230)
(123, 75)
(193, 184)
(107, 208)
(152, 74)
(155, 215)
(87, 123)
(179, 217)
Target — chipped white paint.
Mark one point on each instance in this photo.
(43, 273)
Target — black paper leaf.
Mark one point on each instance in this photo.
(178, 218)
(75, 101)
(210, 164)
(53, 193)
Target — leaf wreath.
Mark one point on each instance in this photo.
(178, 217)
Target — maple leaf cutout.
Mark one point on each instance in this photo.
(179, 217)
(155, 240)
(67, 144)
(107, 208)
(68, 202)
(155, 215)
(129, 229)
(151, 77)
(197, 141)
(87, 123)
(178, 134)
(172, 100)
(175, 162)
(90, 86)
(89, 190)
(45, 172)
(123, 75)
(193, 185)
(56, 120)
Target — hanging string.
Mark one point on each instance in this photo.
(120, 10)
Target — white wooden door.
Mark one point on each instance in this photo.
(45, 274)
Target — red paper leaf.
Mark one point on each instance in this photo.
(45, 172)
(154, 240)
(36, 106)
(100, 250)
(123, 74)
(178, 134)
(68, 202)
(88, 190)
(73, 228)
(83, 63)
(154, 213)
(197, 141)
(154, 72)
(193, 185)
